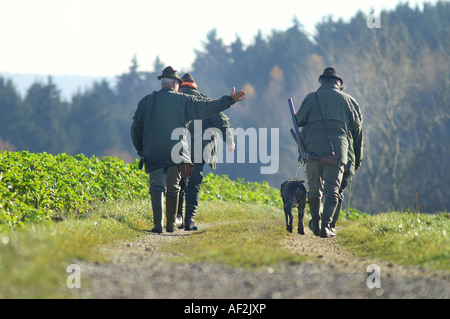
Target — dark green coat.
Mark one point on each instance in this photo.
(173, 110)
(344, 123)
(220, 121)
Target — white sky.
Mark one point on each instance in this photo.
(100, 37)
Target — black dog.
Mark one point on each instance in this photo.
(293, 193)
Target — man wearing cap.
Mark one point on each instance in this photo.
(332, 125)
(157, 116)
(191, 191)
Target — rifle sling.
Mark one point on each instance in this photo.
(324, 124)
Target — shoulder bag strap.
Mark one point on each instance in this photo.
(324, 124)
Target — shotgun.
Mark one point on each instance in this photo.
(296, 134)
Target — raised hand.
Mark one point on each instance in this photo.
(237, 96)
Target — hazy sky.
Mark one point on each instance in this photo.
(100, 37)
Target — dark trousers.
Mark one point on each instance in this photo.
(190, 193)
(344, 184)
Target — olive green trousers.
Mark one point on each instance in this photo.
(323, 179)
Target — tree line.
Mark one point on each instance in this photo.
(398, 72)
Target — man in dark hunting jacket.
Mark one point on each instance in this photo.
(331, 121)
(191, 191)
(157, 117)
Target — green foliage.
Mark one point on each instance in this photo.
(222, 188)
(44, 116)
(354, 214)
(36, 187)
(99, 131)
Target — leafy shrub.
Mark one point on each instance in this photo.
(40, 186)
(221, 188)
(35, 187)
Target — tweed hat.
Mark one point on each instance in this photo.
(330, 73)
(169, 72)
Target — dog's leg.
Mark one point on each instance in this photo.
(301, 213)
(288, 214)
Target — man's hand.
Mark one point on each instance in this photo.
(231, 147)
(237, 96)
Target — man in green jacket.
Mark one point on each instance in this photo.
(331, 120)
(191, 191)
(355, 155)
(157, 122)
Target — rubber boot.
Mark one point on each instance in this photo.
(158, 212)
(171, 212)
(314, 208)
(329, 207)
(180, 214)
(189, 218)
(179, 220)
(336, 215)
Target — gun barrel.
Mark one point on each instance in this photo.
(294, 120)
(296, 133)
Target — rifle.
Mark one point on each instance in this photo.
(304, 156)
(296, 134)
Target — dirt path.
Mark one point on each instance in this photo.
(140, 270)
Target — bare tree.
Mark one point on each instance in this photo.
(389, 84)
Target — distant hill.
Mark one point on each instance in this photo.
(68, 84)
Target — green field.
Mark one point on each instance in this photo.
(56, 210)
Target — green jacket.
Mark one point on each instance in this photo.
(343, 119)
(152, 137)
(219, 121)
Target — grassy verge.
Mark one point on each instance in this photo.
(406, 238)
(34, 259)
(240, 235)
(105, 201)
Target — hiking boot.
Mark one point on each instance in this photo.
(329, 208)
(336, 216)
(189, 218)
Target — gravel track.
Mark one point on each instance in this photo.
(140, 270)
